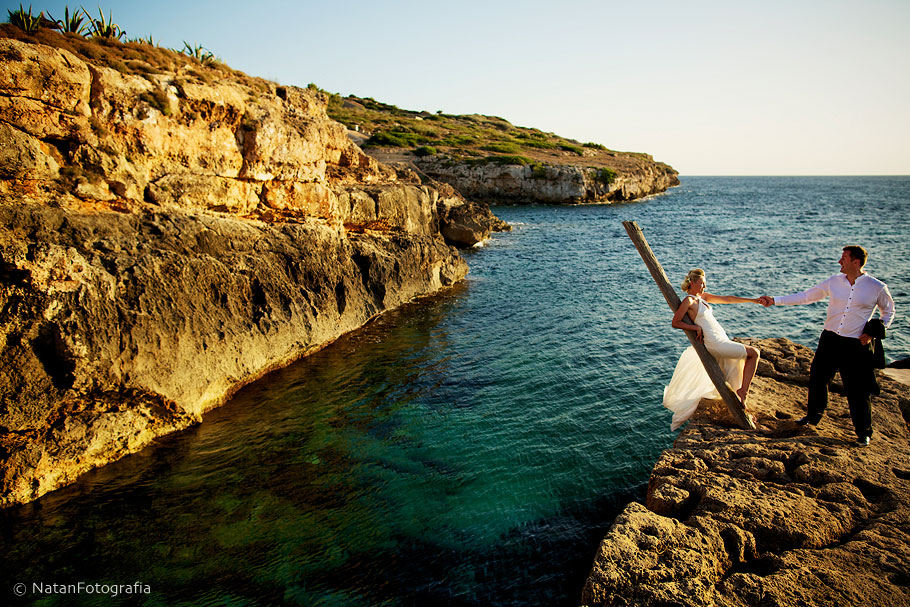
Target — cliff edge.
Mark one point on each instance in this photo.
(489, 159)
(784, 515)
(171, 230)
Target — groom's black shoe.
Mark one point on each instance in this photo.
(803, 421)
(862, 441)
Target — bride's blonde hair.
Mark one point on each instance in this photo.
(692, 275)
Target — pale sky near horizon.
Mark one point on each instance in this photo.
(793, 87)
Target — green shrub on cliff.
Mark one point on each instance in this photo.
(458, 141)
(395, 139)
(25, 20)
(539, 171)
(158, 100)
(104, 28)
(507, 160)
(149, 40)
(541, 144)
(533, 138)
(604, 175)
(71, 24)
(199, 52)
(504, 147)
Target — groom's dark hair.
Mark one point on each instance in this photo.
(857, 253)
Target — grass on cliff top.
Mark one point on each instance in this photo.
(139, 58)
(471, 137)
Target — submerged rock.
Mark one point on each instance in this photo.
(784, 515)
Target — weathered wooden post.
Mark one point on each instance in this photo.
(714, 371)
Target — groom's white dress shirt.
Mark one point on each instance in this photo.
(849, 306)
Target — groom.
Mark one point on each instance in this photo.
(843, 345)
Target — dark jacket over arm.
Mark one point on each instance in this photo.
(875, 329)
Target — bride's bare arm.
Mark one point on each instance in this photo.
(681, 321)
(728, 299)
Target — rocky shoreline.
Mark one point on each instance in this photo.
(554, 180)
(488, 158)
(173, 231)
(783, 515)
(553, 183)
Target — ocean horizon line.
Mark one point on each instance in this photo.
(739, 176)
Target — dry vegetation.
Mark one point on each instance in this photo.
(470, 137)
(136, 57)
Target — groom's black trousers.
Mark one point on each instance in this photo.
(854, 361)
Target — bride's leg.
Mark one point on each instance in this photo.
(752, 356)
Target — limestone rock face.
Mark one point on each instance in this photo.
(49, 76)
(784, 515)
(166, 138)
(551, 184)
(168, 237)
(462, 222)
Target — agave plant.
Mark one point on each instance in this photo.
(101, 28)
(199, 52)
(150, 41)
(25, 21)
(71, 24)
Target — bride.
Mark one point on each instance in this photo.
(690, 382)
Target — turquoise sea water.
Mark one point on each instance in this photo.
(471, 448)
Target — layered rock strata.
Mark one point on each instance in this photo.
(640, 176)
(784, 515)
(463, 223)
(170, 234)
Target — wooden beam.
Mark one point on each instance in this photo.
(714, 371)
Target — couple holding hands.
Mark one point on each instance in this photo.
(843, 346)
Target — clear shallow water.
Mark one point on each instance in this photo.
(470, 449)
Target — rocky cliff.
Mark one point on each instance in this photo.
(172, 230)
(783, 515)
(549, 183)
(488, 158)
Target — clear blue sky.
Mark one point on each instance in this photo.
(792, 87)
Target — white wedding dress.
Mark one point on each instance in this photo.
(690, 382)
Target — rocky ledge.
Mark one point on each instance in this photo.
(636, 176)
(783, 515)
(172, 230)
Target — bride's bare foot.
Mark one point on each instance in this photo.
(742, 396)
